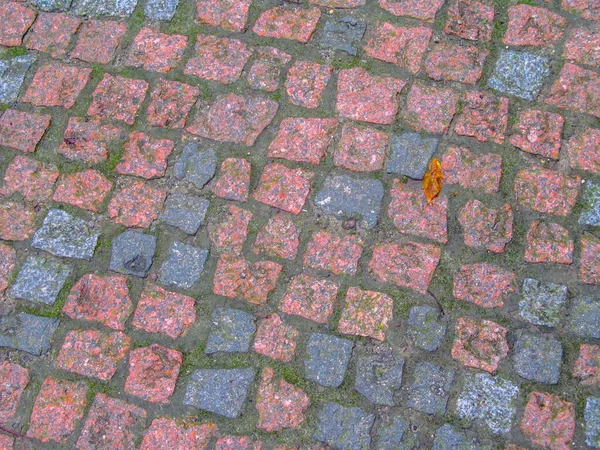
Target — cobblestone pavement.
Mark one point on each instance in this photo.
(214, 235)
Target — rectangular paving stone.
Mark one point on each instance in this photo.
(411, 154)
(276, 339)
(183, 266)
(328, 358)
(344, 428)
(96, 8)
(538, 358)
(543, 303)
(52, 5)
(56, 84)
(430, 389)
(160, 9)
(520, 74)
(132, 253)
(12, 74)
(51, 33)
(180, 433)
(448, 437)
(548, 421)
(231, 331)
(576, 89)
(186, 212)
(16, 20)
(288, 22)
(98, 41)
(13, 381)
(343, 34)
(378, 377)
(425, 327)
(28, 333)
(40, 280)
(548, 242)
(21, 130)
(584, 317)
(471, 170)
(233, 182)
(197, 167)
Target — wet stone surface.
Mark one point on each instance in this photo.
(344, 34)
(344, 427)
(28, 333)
(430, 389)
(40, 280)
(132, 253)
(328, 358)
(538, 358)
(542, 303)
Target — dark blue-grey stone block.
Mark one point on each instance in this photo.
(584, 317)
(183, 265)
(196, 167)
(28, 333)
(231, 331)
(185, 212)
(538, 358)
(96, 8)
(430, 389)
(160, 9)
(410, 155)
(344, 428)
(378, 377)
(520, 74)
(344, 34)
(328, 358)
(40, 280)
(132, 253)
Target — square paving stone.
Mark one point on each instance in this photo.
(220, 391)
(160, 9)
(183, 265)
(344, 428)
(520, 74)
(490, 399)
(52, 5)
(12, 74)
(31, 334)
(349, 197)
(95, 8)
(425, 327)
(448, 437)
(542, 303)
(344, 34)
(40, 280)
(197, 167)
(378, 377)
(592, 421)
(13, 381)
(538, 358)
(410, 155)
(391, 433)
(65, 235)
(591, 205)
(328, 358)
(186, 212)
(132, 253)
(584, 317)
(430, 389)
(231, 331)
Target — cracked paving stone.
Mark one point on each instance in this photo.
(349, 197)
(344, 428)
(12, 74)
(197, 167)
(538, 358)
(592, 421)
(96, 8)
(366, 313)
(65, 235)
(186, 212)
(430, 389)
(411, 154)
(132, 253)
(328, 358)
(548, 421)
(542, 303)
(448, 437)
(231, 331)
(310, 297)
(491, 400)
(590, 214)
(40, 280)
(378, 377)
(548, 242)
(275, 339)
(486, 285)
(181, 433)
(479, 343)
(34, 180)
(425, 327)
(584, 317)
(183, 266)
(220, 391)
(343, 34)
(16, 20)
(520, 74)
(288, 22)
(98, 41)
(13, 381)
(28, 333)
(587, 366)
(52, 33)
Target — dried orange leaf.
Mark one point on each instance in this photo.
(433, 180)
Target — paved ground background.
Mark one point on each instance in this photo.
(213, 232)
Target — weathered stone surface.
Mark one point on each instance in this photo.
(344, 34)
(411, 154)
(96, 8)
(520, 74)
(132, 253)
(184, 211)
(548, 421)
(584, 317)
(448, 437)
(378, 377)
(28, 333)
(479, 343)
(483, 284)
(160, 9)
(592, 421)
(542, 303)
(344, 428)
(591, 205)
(276, 339)
(390, 434)
(538, 358)
(40, 280)
(183, 266)
(197, 167)
(231, 331)
(328, 358)
(12, 74)
(425, 328)
(430, 390)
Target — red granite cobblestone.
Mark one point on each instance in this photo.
(548, 421)
(361, 149)
(419, 9)
(361, 96)
(16, 20)
(548, 242)
(280, 404)
(230, 234)
(283, 188)
(137, 204)
(413, 214)
(88, 140)
(407, 264)
(484, 117)
(430, 108)
(231, 16)
(280, 237)
(306, 82)
(303, 139)
(21, 130)
(589, 263)
(52, 33)
(588, 9)
(13, 381)
(93, 353)
(582, 47)
(218, 59)
(576, 89)
(161, 311)
(234, 181)
(546, 191)
(288, 22)
(17, 221)
(587, 366)
(450, 62)
(235, 277)
(8, 257)
(111, 424)
(486, 285)
(398, 45)
(153, 372)
(275, 339)
(58, 408)
(366, 313)
(583, 150)
(472, 171)
(234, 118)
(266, 69)
(156, 52)
(86, 190)
(531, 25)
(471, 19)
(6, 442)
(338, 254)
(56, 84)
(177, 434)
(145, 156)
(310, 297)
(32, 179)
(118, 98)
(238, 443)
(538, 132)
(479, 343)
(103, 299)
(484, 226)
(98, 41)
(338, 3)
(170, 104)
